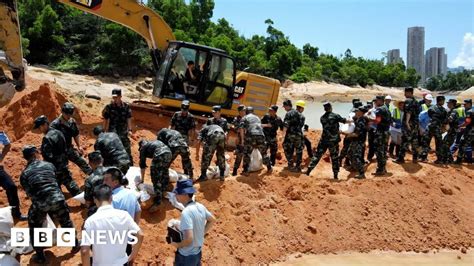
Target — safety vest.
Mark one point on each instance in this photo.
(397, 117)
(424, 107)
(461, 115)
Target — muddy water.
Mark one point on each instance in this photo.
(385, 258)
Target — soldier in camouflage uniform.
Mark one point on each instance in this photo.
(39, 182)
(466, 143)
(438, 119)
(159, 171)
(383, 119)
(95, 179)
(117, 118)
(183, 121)
(178, 145)
(239, 149)
(356, 103)
(271, 122)
(410, 128)
(111, 149)
(357, 142)
(329, 140)
(453, 128)
(293, 124)
(53, 149)
(68, 126)
(213, 137)
(217, 119)
(251, 134)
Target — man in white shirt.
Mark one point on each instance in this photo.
(117, 225)
(196, 221)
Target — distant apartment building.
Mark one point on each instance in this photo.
(416, 50)
(436, 62)
(393, 56)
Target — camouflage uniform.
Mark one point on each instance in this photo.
(410, 136)
(384, 117)
(183, 123)
(239, 149)
(112, 150)
(213, 137)
(271, 134)
(39, 183)
(53, 149)
(118, 117)
(178, 145)
(95, 179)
(451, 134)
(254, 139)
(159, 171)
(357, 145)
(329, 140)
(293, 122)
(438, 116)
(70, 131)
(220, 122)
(467, 139)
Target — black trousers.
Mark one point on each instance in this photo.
(7, 183)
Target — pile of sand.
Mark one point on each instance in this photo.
(264, 218)
(469, 93)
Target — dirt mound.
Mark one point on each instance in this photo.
(263, 218)
(18, 116)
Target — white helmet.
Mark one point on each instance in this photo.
(429, 97)
(388, 97)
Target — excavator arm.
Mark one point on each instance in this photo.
(133, 15)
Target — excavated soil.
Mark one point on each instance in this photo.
(264, 218)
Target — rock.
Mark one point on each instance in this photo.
(139, 88)
(447, 191)
(312, 229)
(246, 218)
(89, 104)
(459, 257)
(92, 96)
(463, 250)
(116, 75)
(148, 80)
(332, 191)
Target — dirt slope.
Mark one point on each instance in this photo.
(263, 218)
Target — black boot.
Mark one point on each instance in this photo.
(335, 175)
(234, 172)
(308, 171)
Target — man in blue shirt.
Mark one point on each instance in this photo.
(122, 198)
(6, 181)
(196, 221)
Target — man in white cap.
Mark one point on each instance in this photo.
(427, 100)
(388, 101)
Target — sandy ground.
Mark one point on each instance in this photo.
(321, 91)
(469, 93)
(265, 218)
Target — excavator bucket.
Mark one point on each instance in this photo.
(12, 71)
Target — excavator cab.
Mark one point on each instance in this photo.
(201, 74)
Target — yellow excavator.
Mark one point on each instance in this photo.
(204, 75)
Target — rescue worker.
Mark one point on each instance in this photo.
(118, 118)
(213, 138)
(427, 100)
(159, 171)
(293, 129)
(371, 131)
(461, 113)
(438, 118)
(388, 103)
(112, 150)
(183, 122)
(347, 140)
(357, 143)
(409, 127)
(251, 134)
(6, 181)
(95, 179)
(239, 149)
(396, 129)
(329, 139)
(178, 146)
(271, 122)
(383, 119)
(453, 124)
(217, 119)
(466, 143)
(68, 126)
(54, 149)
(39, 182)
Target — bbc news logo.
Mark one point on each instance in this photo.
(65, 237)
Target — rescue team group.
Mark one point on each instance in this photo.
(113, 207)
